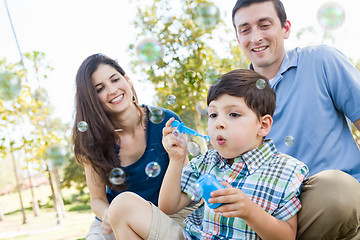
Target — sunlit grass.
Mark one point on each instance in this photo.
(78, 216)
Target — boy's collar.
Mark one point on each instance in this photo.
(255, 158)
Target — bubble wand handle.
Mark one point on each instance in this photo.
(184, 129)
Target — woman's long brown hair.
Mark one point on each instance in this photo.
(96, 145)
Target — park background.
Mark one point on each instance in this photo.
(50, 38)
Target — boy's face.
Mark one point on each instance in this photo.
(261, 35)
(233, 127)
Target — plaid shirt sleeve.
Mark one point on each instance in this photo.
(290, 204)
(189, 176)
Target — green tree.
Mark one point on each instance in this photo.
(26, 119)
(189, 63)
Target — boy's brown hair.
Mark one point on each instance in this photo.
(253, 87)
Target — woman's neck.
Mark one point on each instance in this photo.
(128, 120)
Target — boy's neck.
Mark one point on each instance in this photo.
(230, 161)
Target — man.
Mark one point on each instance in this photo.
(318, 92)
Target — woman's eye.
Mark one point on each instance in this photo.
(99, 89)
(115, 79)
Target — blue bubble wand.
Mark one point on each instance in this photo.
(184, 129)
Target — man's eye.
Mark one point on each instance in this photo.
(242, 31)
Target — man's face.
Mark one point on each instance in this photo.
(261, 36)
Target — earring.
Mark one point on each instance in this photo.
(133, 99)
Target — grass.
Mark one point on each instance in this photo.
(78, 216)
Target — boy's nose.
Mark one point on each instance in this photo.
(220, 124)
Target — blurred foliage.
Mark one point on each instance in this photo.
(74, 176)
(27, 126)
(193, 57)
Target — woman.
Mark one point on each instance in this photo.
(118, 135)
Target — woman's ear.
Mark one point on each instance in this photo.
(266, 123)
(128, 80)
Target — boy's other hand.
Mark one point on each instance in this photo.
(237, 204)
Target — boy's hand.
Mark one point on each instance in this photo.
(237, 203)
(105, 226)
(174, 142)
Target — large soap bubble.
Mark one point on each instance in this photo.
(10, 86)
(193, 149)
(82, 126)
(206, 15)
(117, 176)
(261, 84)
(171, 99)
(289, 140)
(156, 115)
(331, 15)
(57, 154)
(149, 51)
(153, 169)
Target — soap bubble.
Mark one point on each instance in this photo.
(40, 94)
(156, 115)
(212, 75)
(195, 193)
(289, 140)
(193, 149)
(201, 108)
(82, 126)
(117, 176)
(171, 99)
(206, 15)
(261, 84)
(331, 15)
(57, 154)
(190, 74)
(10, 86)
(153, 169)
(149, 51)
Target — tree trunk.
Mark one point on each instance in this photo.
(59, 216)
(60, 198)
(35, 204)
(18, 185)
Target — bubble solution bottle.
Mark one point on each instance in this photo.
(206, 184)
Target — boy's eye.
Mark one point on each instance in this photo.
(212, 115)
(234, 115)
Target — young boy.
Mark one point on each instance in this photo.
(262, 184)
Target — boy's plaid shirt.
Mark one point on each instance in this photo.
(269, 178)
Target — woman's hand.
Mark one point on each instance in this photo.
(105, 226)
(174, 142)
